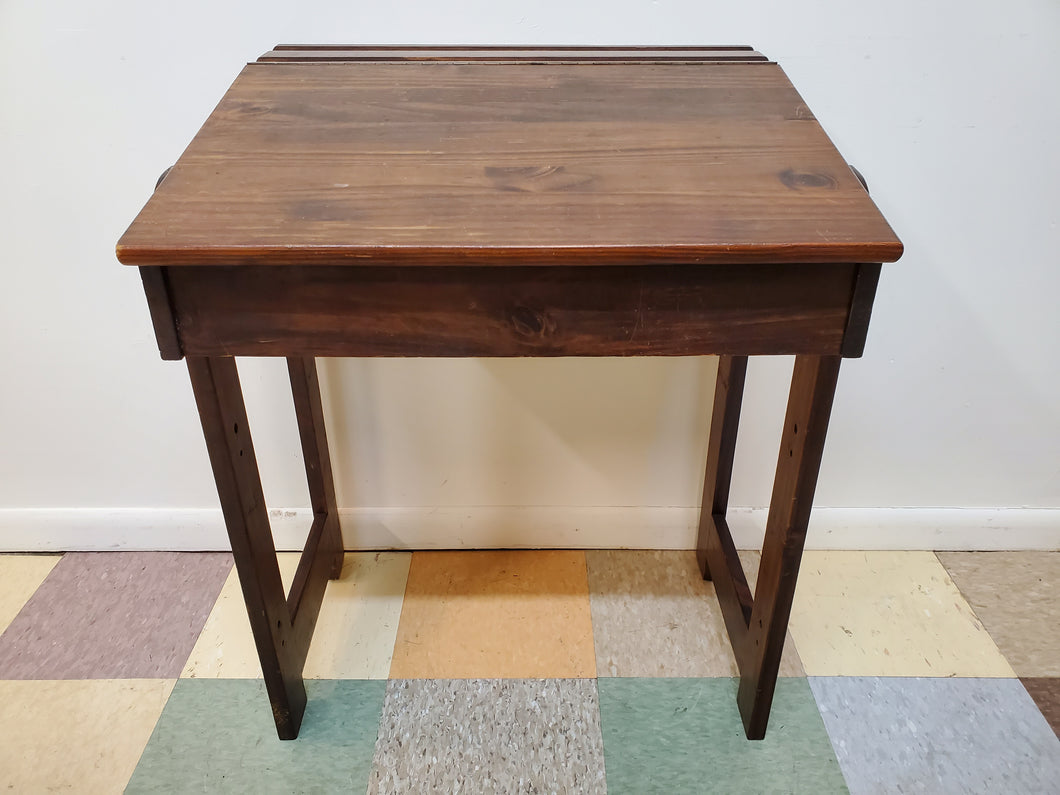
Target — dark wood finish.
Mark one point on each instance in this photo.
(513, 54)
(322, 556)
(813, 383)
(551, 164)
(468, 311)
(715, 550)
(569, 201)
(309, 412)
(282, 629)
(757, 626)
(719, 555)
(721, 449)
(600, 50)
(857, 330)
(224, 423)
(157, 291)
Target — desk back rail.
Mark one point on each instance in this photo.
(303, 53)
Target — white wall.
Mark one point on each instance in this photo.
(949, 109)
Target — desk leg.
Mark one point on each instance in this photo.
(282, 626)
(721, 447)
(757, 627)
(327, 549)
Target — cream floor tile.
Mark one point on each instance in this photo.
(20, 576)
(359, 619)
(1017, 597)
(653, 615)
(225, 647)
(355, 631)
(887, 614)
(495, 614)
(76, 735)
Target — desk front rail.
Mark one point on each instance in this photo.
(677, 310)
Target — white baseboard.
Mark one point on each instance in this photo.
(473, 527)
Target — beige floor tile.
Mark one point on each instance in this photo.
(495, 614)
(20, 576)
(887, 614)
(355, 632)
(1017, 597)
(76, 735)
(653, 615)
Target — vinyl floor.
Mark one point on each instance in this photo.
(532, 672)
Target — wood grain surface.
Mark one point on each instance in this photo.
(496, 163)
(361, 310)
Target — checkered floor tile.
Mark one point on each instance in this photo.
(536, 671)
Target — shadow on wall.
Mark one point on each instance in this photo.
(568, 431)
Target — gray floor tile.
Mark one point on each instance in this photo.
(489, 735)
(653, 615)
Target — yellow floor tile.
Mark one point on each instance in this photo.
(354, 635)
(495, 614)
(887, 614)
(83, 735)
(20, 576)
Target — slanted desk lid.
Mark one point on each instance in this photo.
(543, 160)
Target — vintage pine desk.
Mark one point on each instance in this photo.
(352, 201)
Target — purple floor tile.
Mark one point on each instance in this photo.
(114, 615)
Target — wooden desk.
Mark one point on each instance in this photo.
(345, 201)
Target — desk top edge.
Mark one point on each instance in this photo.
(512, 256)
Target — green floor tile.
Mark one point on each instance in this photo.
(685, 735)
(217, 735)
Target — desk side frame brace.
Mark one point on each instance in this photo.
(283, 625)
(817, 311)
(757, 625)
